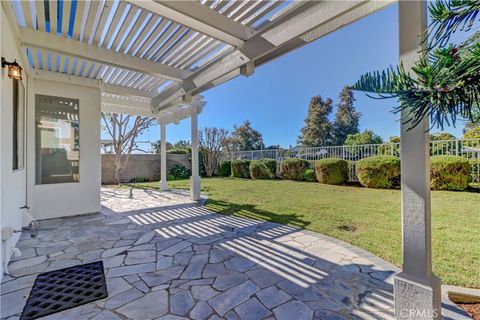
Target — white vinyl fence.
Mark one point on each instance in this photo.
(468, 148)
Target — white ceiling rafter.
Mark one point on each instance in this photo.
(37, 39)
(194, 15)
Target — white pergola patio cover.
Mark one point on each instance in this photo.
(154, 58)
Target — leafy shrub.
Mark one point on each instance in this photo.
(179, 172)
(351, 165)
(449, 173)
(224, 168)
(179, 151)
(240, 169)
(331, 171)
(139, 179)
(309, 175)
(186, 150)
(379, 172)
(475, 170)
(271, 165)
(259, 170)
(293, 169)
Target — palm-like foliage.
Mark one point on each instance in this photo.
(450, 16)
(445, 84)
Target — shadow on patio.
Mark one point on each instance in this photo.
(184, 260)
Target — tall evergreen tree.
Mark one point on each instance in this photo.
(317, 129)
(346, 117)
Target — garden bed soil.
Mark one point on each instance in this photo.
(473, 309)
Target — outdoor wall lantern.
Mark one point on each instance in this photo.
(14, 70)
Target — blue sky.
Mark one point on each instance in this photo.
(276, 97)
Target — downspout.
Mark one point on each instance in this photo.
(28, 222)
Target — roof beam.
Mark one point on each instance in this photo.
(174, 114)
(296, 30)
(60, 77)
(48, 41)
(118, 105)
(196, 16)
(110, 88)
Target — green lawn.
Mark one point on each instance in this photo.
(374, 213)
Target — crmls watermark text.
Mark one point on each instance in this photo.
(419, 313)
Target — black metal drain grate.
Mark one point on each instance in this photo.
(58, 290)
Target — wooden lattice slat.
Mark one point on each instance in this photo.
(166, 46)
(144, 35)
(81, 16)
(144, 16)
(67, 6)
(115, 22)
(40, 11)
(157, 37)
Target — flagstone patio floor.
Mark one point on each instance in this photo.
(167, 257)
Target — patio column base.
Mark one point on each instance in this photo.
(417, 298)
(195, 187)
(163, 185)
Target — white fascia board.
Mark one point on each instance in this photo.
(44, 40)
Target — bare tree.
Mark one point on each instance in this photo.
(212, 142)
(123, 129)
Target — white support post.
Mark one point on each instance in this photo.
(416, 288)
(163, 158)
(195, 178)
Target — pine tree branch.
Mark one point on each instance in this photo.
(448, 16)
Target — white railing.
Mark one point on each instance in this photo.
(468, 148)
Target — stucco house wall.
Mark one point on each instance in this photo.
(12, 182)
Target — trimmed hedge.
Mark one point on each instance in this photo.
(259, 170)
(449, 173)
(179, 151)
(240, 169)
(331, 171)
(309, 175)
(294, 169)
(271, 165)
(224, 168)
(379, 172)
